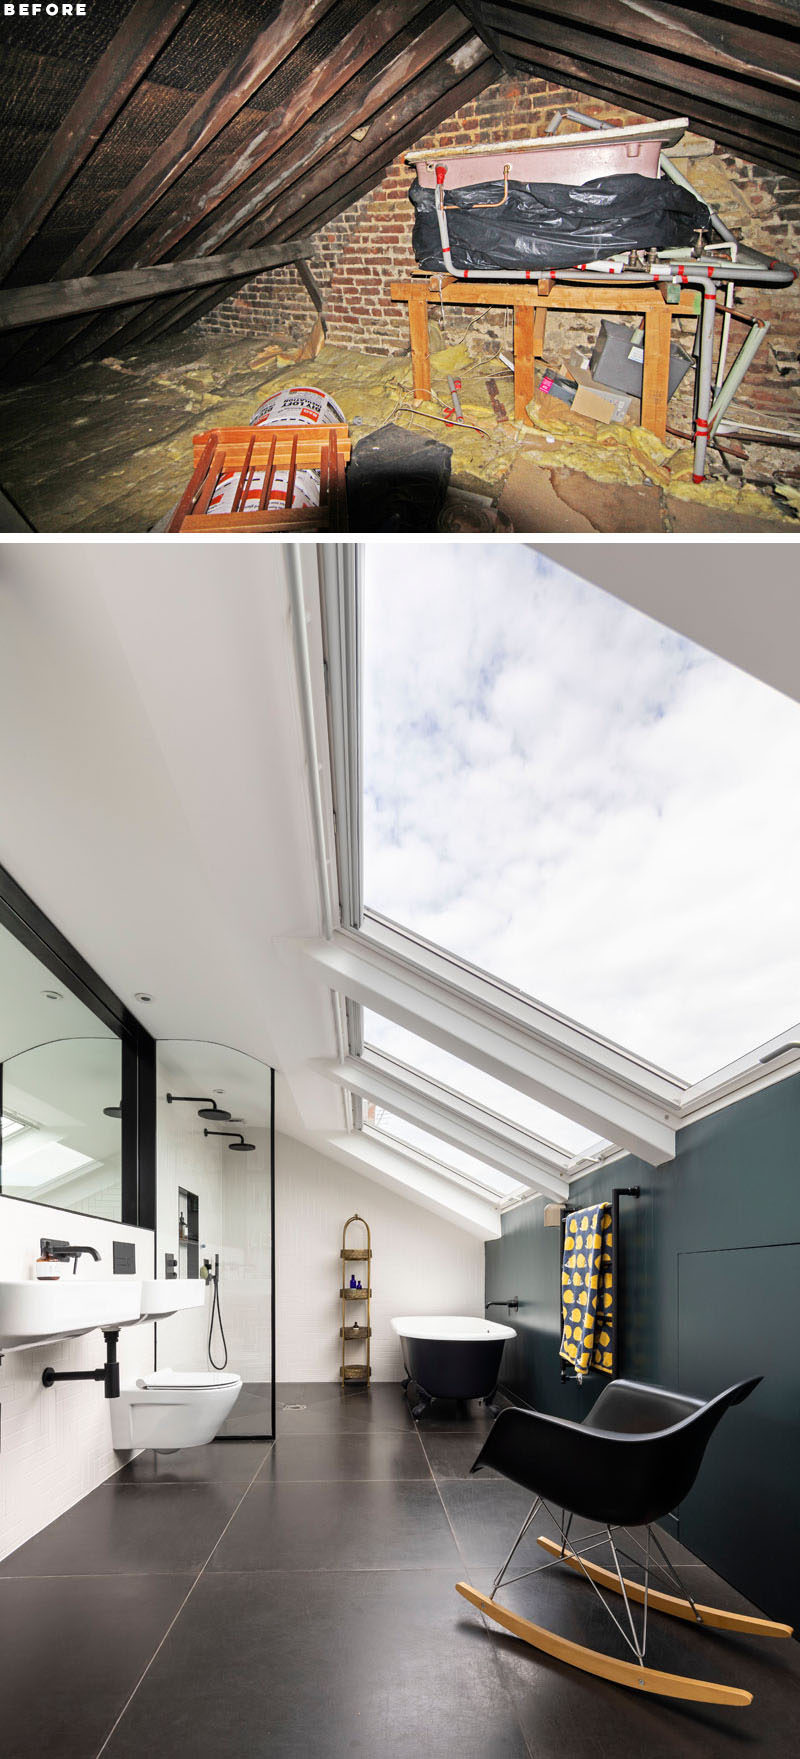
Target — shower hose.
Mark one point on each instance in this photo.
(216, 1314)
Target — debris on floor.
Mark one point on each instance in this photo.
(119, 438)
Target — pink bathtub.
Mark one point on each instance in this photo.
(554, 158)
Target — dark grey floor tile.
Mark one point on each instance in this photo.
(319, 1407)
(384, 1453)
(234, 1462)
(383, 1667)
(609, 1720)
(450, 1454)
(71, 1654)
(130, 1528)
(457, 1417)
(252, 1413)
(486, 1514)
(369, 1525)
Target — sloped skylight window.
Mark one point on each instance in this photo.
(570, 796)
(450, 1160)
(475, 1085)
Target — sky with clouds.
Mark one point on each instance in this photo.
(576, 799)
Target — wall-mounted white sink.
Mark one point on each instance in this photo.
(163, 1296)
(42, 1312)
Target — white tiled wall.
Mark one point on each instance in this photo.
(421, 1263)
(55, 1444)
(234, 1217)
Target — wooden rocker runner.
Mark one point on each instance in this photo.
(632, 1459)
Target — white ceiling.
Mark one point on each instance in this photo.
(740, 599)
(152, 771)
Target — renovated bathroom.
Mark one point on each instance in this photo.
(330, 1256)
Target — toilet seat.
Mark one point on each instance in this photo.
(176, 1378)
(173, 1408)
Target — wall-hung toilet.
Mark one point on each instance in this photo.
(172, 1409)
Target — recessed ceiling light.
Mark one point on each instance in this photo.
(142, 995)
(52, 995)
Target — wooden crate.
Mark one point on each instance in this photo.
(326, 449)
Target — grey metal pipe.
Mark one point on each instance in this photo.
(731, 383)
(677, 177)
(700, 272)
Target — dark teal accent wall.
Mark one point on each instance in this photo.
(710, 1273)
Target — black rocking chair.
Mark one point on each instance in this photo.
(627, 1464)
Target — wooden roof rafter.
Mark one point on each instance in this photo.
(263, 152)
(288, 141)
(737, 81)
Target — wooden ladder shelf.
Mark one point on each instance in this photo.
(352, 1330)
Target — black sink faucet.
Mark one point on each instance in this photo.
(63, 1252)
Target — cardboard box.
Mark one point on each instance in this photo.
(601, 405)
(625, 408)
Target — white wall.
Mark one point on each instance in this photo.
(56, 1442)
(420, 1264)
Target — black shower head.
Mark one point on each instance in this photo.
(207, 1107)
(239, 1146)
(112, 1111)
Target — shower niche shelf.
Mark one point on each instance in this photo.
(351, 1331)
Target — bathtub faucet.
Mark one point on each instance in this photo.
(512, 1305)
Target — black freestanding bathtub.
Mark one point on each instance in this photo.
(452, 1357)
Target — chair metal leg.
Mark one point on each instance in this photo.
(520, 1536)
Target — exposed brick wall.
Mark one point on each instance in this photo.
(358, 254)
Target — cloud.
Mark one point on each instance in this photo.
(580, 801)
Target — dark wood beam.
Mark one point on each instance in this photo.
(59, 299)
(123, 64)
(371, 170)
(331, 124)
(741, 97)
(412, 79)
(677, 30)
(748, 141)
(217, 106)
(304, 119)
(475, 13)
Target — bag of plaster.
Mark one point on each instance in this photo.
(295, 406)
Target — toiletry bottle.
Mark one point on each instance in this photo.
(353, 1281)
(182, 1230)
(47, 1269)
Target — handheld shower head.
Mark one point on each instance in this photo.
(238, 1146)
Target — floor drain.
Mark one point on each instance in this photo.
(294, 1407)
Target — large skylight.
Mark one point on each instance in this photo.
(568, 795)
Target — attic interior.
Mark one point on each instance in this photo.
(207, 206)
(456, 905)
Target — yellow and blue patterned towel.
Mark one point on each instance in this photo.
(586, 1284)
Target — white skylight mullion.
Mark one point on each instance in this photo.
(463, 1168)
(507, 1044)
(448, 1116)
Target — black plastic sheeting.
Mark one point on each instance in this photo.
(555, 225)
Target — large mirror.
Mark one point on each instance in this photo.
(60, 1092)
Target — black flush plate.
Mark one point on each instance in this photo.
(124, 1253)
